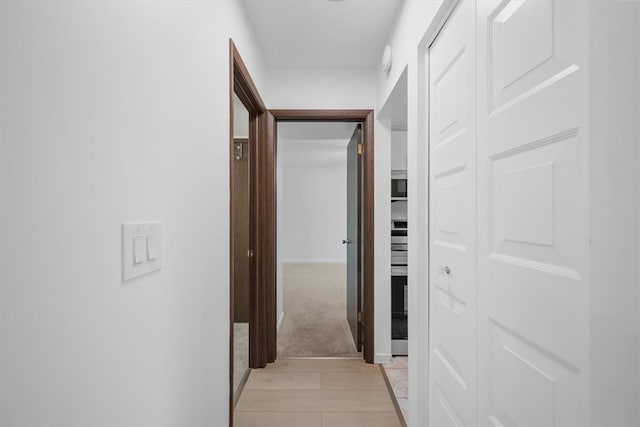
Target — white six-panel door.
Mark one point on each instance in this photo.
(509, 248)
(533, 293)
(453, 221)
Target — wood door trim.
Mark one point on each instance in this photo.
(321, 115)
(369, 254)
(262, 286)
(243, 84)
(265, 243)
(366, 117)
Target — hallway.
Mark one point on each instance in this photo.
(314, 393)
(507, 270)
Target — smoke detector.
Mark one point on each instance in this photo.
(386, 59)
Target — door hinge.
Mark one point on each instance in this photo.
(360, 149)
(238, 152)
(359, 316)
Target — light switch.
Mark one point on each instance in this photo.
(153, 244)
(138, 249)
(141, 249)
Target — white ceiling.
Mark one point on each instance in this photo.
(325, 34)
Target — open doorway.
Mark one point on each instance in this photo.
(241, 238)
(249, 243)
(393, 117)
(360, 308)
(317, 169)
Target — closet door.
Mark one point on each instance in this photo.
(453, 221)
(533, 291)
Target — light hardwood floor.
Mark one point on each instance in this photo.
(316, 393)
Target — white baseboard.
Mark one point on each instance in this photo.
(382, 359)
(314, 261)
(280, 320)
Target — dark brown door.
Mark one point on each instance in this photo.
(241, 230)
(354, 294)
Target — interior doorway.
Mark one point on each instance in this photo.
(250, 243)
(361, 310)
(241, 210)
(317, 219)
(402, 284)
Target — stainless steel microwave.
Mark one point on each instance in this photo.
(398, 187)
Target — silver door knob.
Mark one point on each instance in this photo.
(444, 270)
(346, 242)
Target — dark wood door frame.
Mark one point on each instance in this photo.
(262, 238)
(366, 118)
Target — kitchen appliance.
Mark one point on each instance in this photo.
(399, 247)
(399, 187)
(399, 239)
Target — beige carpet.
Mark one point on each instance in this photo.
(315, 314)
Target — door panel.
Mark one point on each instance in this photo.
(532, 213)
(353, 276)
(241, 230)
(453, 221)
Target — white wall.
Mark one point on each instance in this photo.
(319, 89)
(113, 112)
(411, 24)
(398, 150)
(382, 196)
(415, 21)
(314, 209)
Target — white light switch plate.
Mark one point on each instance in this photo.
(137, 257)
